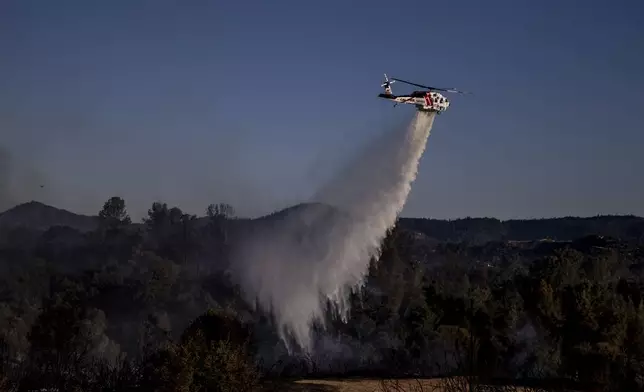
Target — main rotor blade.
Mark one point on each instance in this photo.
(450, 90)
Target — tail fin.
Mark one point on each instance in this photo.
(387, 85)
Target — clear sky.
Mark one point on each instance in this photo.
(256, 102)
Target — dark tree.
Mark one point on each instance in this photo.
(114, 212)
(221, 210)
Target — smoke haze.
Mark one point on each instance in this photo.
(20, 181)
(322, 250)
(5, 195)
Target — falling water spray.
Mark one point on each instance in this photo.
(321, 251)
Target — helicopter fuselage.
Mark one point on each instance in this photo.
(427, 101)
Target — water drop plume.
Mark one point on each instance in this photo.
(300, 257)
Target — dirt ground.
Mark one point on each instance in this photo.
(367, 385)
(359, 385)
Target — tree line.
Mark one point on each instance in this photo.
(151, 307)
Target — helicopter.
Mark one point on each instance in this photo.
(429, 100)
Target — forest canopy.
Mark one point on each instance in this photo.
(103, 302)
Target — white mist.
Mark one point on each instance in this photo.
(318, 252)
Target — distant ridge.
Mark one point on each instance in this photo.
(38, 216)
(481, 230)
(302, 210)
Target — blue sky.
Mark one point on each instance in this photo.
(257, 102)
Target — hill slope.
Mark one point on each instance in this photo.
(481, 230)
(38, 216)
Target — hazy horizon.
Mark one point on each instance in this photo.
(137, 218)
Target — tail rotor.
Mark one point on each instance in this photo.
(387, 85)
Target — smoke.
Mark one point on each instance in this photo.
(6, 199)
(20, 181)
(321, 251)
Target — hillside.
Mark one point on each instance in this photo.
(482, 230)
(37, 216)
(101, 294)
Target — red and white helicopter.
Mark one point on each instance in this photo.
(428, 101)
